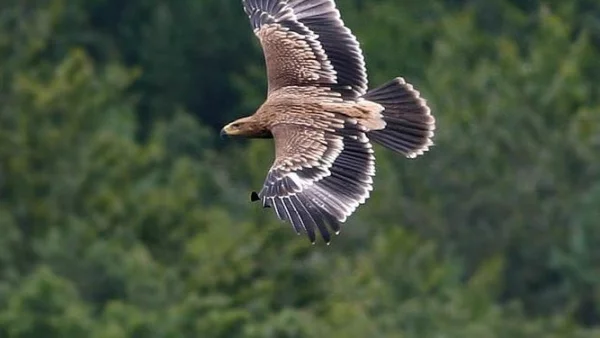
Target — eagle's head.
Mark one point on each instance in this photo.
(248, 126)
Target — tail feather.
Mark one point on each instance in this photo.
(409, 123)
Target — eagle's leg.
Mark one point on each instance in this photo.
(254, 197)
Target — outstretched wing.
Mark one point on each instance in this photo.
(319, 176)
(305, 43)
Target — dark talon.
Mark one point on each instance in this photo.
(254, 197)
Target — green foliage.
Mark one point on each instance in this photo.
(45, 305)
(104, 233)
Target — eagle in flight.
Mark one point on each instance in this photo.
(322, 116)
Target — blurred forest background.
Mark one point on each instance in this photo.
(122, 214)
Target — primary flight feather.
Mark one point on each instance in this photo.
(321, 116)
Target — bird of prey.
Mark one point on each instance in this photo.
(322, 116)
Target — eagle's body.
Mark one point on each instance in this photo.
(308, 105)
(321, 116)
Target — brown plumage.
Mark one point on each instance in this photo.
(321, 116)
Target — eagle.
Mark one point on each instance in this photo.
(322, 117)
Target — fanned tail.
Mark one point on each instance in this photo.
(409, 123)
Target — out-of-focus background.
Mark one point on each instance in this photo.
(122, 214)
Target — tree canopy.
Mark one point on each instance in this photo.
(122, 214)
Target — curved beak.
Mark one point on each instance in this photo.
(223, 133)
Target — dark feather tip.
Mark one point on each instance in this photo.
(254, 197)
